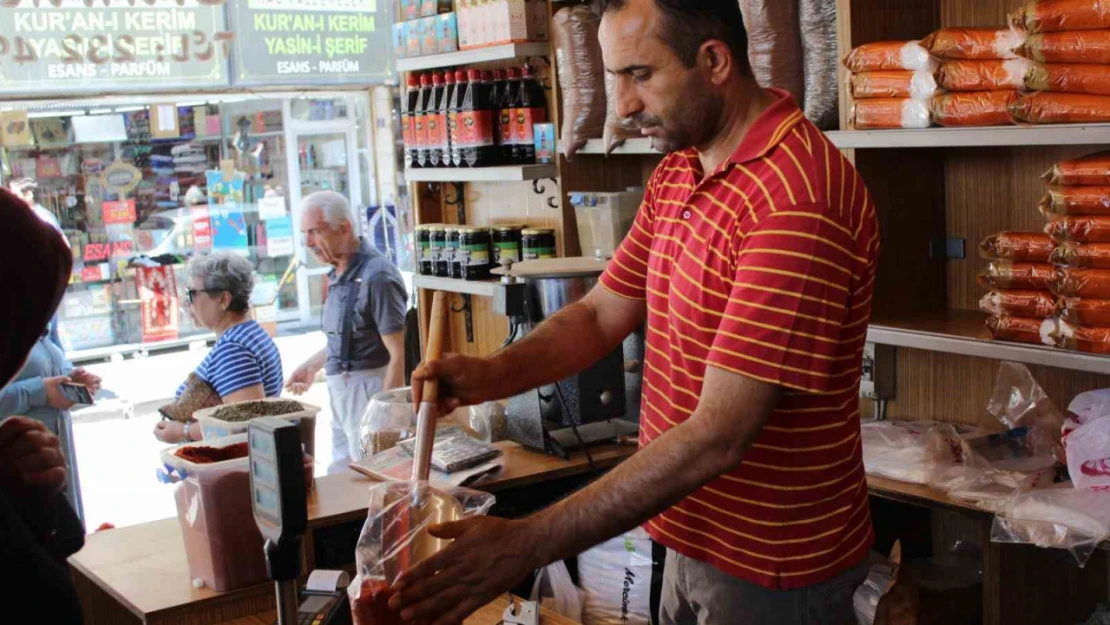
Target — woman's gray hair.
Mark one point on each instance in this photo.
(333, 206)
(225, 271)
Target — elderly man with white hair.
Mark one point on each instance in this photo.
(364, 321)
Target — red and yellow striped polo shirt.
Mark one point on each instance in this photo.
(764, 267)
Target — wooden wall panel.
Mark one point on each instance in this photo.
(885, 20)
(977, 13)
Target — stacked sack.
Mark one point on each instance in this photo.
(980, 72)
(1020, 276)
(1069, 41)
(891, 83)
(1078, 207)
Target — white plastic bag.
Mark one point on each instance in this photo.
(1060, 516)
(1089, 454)
(902, 450)
(616, 581)
(553, 582)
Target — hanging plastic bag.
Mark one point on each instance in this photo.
(1001, 274)
(1086, 339)
(775, 44)
(889, 113)
(1059, 517)
(982, 75)
(617, 129)
(1090, 170)
(1085, 312)
(892, 84)
(394, 539)
(1082, 228)
(1061, 108)
(581, 76)
(1076, 201)
(1075, 46)
(1027, 416)
(973, 43)
(1030, 247)
(616, 580)
(818, 27)
(557, 591)
(972, 108)
(1081, 282)
(1022, 329)
(1030, 304)
(890, 55)
(1069, 78)
(1046, 16)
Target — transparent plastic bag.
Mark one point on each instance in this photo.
(902, 450)
(991, 75)
(1087, 339)
(394, 539)
(892, 84)
(1003, 274)
(1068, 78)
(1086, 200)
(553, 584)
(888, 55)
(973, 43)
(1075, 46)
(489, 422)
(1061, 108)
(818, 26)
(1081, 228)
(775, 44)
(1019, 403)
(1084, 312)
(972, 108)
(581, 76)
(389, 419)
(1075, 254)
(1080, 282)
(1022, 329)
(617, 129)
(890, 113)
(1030, 304)
(1090, 170)
(1057, 517)
(1045, 16)
(1029, 247)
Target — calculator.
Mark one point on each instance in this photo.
(454, 451)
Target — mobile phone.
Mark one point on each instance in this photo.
(77, 393)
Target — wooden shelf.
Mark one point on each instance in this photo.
(919, 495)
(507, 173)
(506, 52)
(963, 332)
(481, 288)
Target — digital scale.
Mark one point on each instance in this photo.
(278, 495)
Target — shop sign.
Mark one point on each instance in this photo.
(68, 46)
(100, 252)
(279, 237)
(328, 42)
(121, 178)
(118, 212)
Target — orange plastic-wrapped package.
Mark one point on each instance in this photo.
(1069, 78)
(1083, 282)
(1073, 46)
(972, 108)
(1030, 247)
(1061, 108)
(1076, 201)
(1022, 329)
(892, 84)
(1075, 254)
(1085, 312)
(983, 75)
(1092, 170)
(1082, 228)
(889, 55)
(1031, 304)
(1047, 16)
(889, 113)
(1088, 339)
(1001, 274)
(973, 43)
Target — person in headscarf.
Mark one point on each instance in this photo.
(38, 528)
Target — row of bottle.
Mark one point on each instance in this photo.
(472, 118)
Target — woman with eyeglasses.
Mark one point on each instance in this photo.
(244, 364)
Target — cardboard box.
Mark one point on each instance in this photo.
(447, 33)
(511, 21)
(412, 39)
(400, 40)
(428, 43)
(545, 143)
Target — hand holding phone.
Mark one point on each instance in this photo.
(78, 394)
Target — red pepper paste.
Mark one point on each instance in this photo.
(209, 455)
(372, 605)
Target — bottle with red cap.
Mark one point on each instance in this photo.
(529, 109)
(408, 118)
(505, 105)
(455, 105)
(423, 105)
(437, 126)
(476, 140)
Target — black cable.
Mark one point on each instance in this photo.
(574, 426)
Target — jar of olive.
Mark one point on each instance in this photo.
(538, 243)
(474, 253)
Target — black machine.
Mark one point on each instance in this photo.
(278, 493)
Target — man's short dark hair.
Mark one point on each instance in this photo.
(687, 24)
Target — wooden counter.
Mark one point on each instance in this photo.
(488, 615)
(139, 574)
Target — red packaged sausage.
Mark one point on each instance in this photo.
(1046, 16)
(974, 108)
(1082, 228)
(1076, 254)
(1061, 108)
(1001, 274)
(889, 55)
(1076, 201)
(973, 43)
(889, 113)
(1083, 282)
(1073, 46)
(1092, 170)
(983, 75)
(1085, 312)
(1031, 304)
(1033, 247)
(1069, 78)
(1089, 339)
(892, 84)
(1022, 329)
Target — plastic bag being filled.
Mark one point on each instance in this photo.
(1074, 46)
(775, 44)
(1061, 108)
(394, 539)
(1046, 16)
(1069, 78)
(973, 43)
(617, 129)
(581, 76)
(972, 108)
(818, 26)
(1093, 169)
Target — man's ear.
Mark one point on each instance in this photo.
(716, 58)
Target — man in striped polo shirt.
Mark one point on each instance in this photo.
(752, 260)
